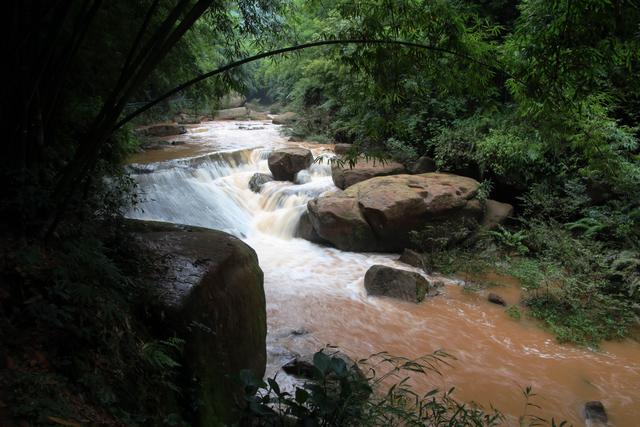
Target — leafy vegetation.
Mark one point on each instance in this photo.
(538, 100)
(346, 393)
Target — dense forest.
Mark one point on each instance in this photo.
(537, 101)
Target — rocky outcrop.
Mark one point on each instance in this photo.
(285, 163)
(161, 130)
(287, 118)
(381, 280)
(378, 214)
(345, 176)
(210, 292)
(424, 164)
(258, 180)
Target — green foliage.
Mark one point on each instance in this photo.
(76, 304)
(341, 394)
(513, 240)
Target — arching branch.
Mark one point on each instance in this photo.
(262, 55)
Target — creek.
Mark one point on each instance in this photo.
(318, 291)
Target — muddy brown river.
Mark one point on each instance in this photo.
(318, 291)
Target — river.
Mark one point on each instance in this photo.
(318, 291)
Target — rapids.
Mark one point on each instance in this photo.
(318, 289)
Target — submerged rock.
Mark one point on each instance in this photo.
(258, 180)
(285, 163)
(595, 414)
(496, 299)
(379, 214)
(381, 280)
(345, 176)
(209, 291)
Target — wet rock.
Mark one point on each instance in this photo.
(287, 118)
(496, 299)
(495, 214)
(210, 292)
(299, 332)
(162, 130)
(258, 180)
(386, 281)
(285, 163)
(345, 176)
(595, 414)
(424, 164)
(338, 220)
(299, 368)
(341, 149)
(380, 214)
(306, 231)
(440, 206)
(413, 258)
(303, 366)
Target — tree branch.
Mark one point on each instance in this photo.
(262, 55)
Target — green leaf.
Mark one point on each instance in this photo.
(322, 362)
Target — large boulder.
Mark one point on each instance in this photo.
(258, 180)
(285, 163)
(287, 118)
(380, 213)
(209, 291)
(381, 280)
(345, 176)
(338, 220)
(305, 230)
